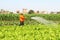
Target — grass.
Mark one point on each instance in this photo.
(29, 32)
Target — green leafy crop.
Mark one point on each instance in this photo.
(29, 32)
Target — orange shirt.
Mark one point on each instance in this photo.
(22, 18)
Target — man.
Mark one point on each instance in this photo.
(22, 18)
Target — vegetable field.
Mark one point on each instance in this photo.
(13, 19)
(30, 32)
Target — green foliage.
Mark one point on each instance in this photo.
(29, 32)
(53, 17)
(14, 18)
(10, 17)
(32, 30)
(30, 12)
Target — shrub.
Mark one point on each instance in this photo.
(30, 12)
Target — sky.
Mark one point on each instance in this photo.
(41, 5)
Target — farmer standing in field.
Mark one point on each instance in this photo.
(22, 18)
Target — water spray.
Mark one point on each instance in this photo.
(44, 21)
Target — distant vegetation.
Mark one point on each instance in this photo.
(10, 17)
(14, 18)
(31, 12)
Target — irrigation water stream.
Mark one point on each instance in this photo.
(44, 21)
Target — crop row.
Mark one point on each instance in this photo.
(10, 17)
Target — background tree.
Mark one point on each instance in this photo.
(17, 11)
(31, 12)
(37, 11)
(58, 12)
(52, 13)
